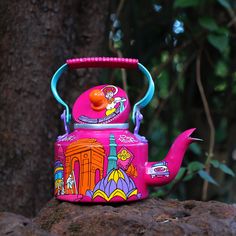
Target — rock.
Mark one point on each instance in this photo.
(17, 225)
(148, 217)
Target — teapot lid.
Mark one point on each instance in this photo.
(102, 105)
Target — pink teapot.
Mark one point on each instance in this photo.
(101, 160)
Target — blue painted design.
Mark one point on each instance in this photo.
(112, 158)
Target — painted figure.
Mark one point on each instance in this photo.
(159, 169)
(69, 183)
(110, 91)
(58, 176)
(59, 187)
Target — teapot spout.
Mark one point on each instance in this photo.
(163, 172)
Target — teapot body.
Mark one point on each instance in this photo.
(100, 165)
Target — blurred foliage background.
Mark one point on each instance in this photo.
(189, 47)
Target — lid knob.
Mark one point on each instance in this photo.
(98, 100)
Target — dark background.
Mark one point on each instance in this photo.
(188, 46)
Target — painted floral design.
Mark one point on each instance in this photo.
(116, 184)
(124, 158)
(124, 154)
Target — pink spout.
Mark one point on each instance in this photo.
(163, 172)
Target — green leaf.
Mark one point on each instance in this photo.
(223, 31)
(208, 23)
(221, 87)
(222, 130)
(154, 103)
(224, 3)
(220, 42)
(234, 83)
(222, 167)
(189, 176)
(204, 175)
(186, 3)
(180, 173)
(195, 148)
(180, 83)
(118, 44)
(164, 80)
(221, 69)
(160, 193)
(195, 166)
(215, 163)
(226, 169)
(164, 56)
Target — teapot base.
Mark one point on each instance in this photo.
(77, 198)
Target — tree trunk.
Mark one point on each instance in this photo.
(36, 37)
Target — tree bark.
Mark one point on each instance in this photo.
(36, 37)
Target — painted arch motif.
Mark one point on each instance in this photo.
(85, 173)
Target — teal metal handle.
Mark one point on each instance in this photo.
(139, 105)
(54, 81)
(149, 94)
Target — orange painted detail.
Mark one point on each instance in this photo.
(98, 100)
(132, 171)
(88, 155)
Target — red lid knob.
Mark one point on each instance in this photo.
(98, 100)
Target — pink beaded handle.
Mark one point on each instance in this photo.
(109, 62)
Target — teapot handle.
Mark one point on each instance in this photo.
(107, 62)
